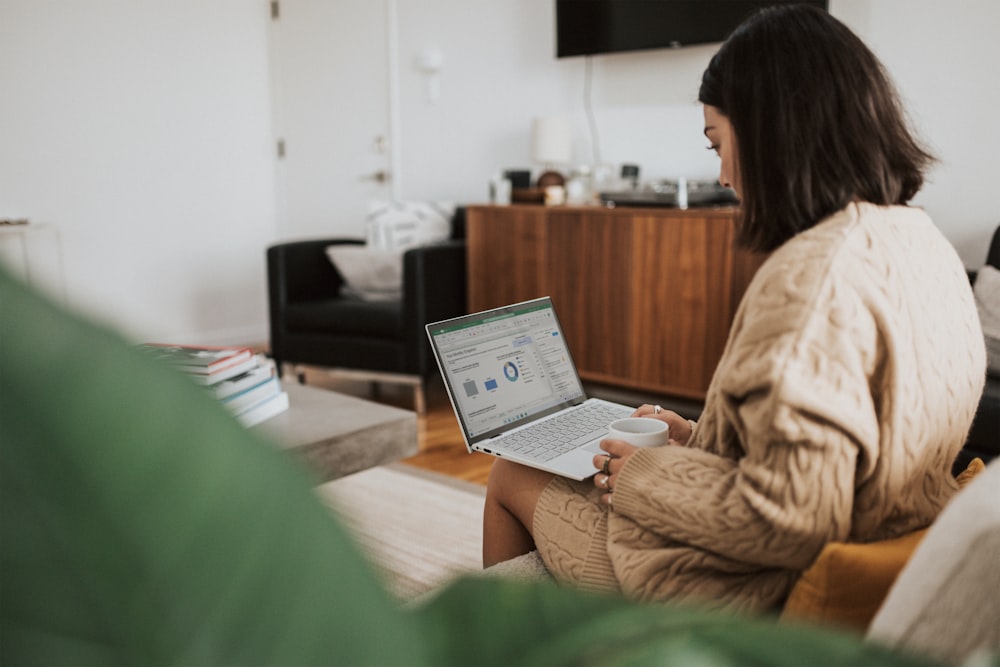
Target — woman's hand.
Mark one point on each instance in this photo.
(618, 451)
(610, 464)
(680, 428)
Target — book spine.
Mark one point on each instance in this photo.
(218, 376)
(196, 358)
(215, 366)
(269, 408)
(262, 372)
(248, 398)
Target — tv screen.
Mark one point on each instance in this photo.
(588, 27)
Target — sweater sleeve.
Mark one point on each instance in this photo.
(791, 398)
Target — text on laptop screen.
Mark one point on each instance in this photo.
(507, 366)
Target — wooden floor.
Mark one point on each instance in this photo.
(440, 445)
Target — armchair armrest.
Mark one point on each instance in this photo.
(298, 271)
(301, 271)
(434, 288)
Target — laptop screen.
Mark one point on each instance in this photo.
(505, 366)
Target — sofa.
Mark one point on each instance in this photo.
(935, 591)
(946, 600)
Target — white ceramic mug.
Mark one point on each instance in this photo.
(639, 431)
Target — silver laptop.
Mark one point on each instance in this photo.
(516, 392)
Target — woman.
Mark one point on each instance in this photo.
(853, 366)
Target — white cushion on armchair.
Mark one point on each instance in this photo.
(374, 272)
(987, 292)
(392, 225)
(370, 274)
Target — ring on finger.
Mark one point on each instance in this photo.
(657, 409)
(607, 465)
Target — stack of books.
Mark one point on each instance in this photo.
(244, 383)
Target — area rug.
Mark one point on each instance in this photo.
(418, 529)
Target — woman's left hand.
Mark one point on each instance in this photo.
(610, 464)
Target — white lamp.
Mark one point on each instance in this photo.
(552, 144)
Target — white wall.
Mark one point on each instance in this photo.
(141, 130)
(500, 71)
(945, 60)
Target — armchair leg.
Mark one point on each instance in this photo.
(376, 377)
(284, 367)
(419, 399)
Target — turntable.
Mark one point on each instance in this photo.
(680, 193)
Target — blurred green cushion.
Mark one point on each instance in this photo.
(141, 524)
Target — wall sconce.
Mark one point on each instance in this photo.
(430, 62)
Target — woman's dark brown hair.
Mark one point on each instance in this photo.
(817, 123)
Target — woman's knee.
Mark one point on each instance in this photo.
(507, 478)
(516, 487)
(502, 475)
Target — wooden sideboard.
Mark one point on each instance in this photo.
(645, 295)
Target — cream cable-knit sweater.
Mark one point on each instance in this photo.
(847, 387)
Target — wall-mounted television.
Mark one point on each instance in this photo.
(590, 27)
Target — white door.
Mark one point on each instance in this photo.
(330, 100)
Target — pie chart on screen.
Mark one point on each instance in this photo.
(510, 371)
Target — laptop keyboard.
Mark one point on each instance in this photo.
(548, 439)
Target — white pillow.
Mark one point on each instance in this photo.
(944, 602)
(398, 224)
(370, 273)
(987, 292)
(375, 272)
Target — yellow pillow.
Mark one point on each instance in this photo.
(975, 467)
(848, 582)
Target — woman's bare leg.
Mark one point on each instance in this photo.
(511, 495)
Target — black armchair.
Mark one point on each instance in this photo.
(312, 323)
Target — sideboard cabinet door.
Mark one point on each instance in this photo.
(645, 296)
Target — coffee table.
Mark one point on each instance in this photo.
(338, 434)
